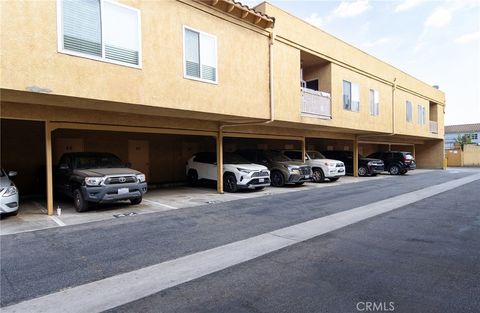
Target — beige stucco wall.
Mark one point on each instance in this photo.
(352, 64)
(471, 155)
(30, 58)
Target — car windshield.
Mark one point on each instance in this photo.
(233, 158)
(97, 161)
(276, 156)
(315, 155)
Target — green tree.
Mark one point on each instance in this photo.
(463, 140)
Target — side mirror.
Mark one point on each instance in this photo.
(12, 173)
(128, 164)
(63, 167)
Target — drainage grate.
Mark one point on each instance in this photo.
(124, 214)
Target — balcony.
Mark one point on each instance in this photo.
(433, 127)
(315, 102)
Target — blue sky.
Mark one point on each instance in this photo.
(435, 41)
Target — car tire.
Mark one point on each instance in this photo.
(394, 170)
(192, 178)
(362, 171)
(230, 183)
(332, 179)
(81, 205)
(318, 175)
(277, 179)
(136, 201)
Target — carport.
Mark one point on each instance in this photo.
(232, 141)
(159, 152)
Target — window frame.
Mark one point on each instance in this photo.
(409, 120)
(376, 105)
(60, 42)
(421, 112)
(352, 85)
(185, 76)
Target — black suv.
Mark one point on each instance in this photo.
(91, 177)
(366, 166)
(396, 162)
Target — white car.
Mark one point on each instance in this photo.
(238, 173)
(8, 194)
(321, 166)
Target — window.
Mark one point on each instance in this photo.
(374, 102)
(200, 55)
(421, 115)
(475, 136)
(101, 30)
(408, 110)
(351, 96)
(312, 84)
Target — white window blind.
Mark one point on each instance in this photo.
(408, 110)
(82, 30)
(355, 98)
(89, 24)
(120, 26)
(374, 102)
(192, 53)
(421, 115)
(200, 55)
(347, 95)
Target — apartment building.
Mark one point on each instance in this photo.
(156, 81)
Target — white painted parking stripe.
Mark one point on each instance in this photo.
(124, 288)
(161, 204)
(57, 220)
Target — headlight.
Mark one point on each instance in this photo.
(370, 163)
(93, 181)
(244, 170)
(141, 178)
(12, 190)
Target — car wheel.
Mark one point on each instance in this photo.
(192, 178)
(230, 183)
(277, 179)
(318, 175)
(394, 170)
(362, 171)
(136, 201)
(332, 179)
(81, 205)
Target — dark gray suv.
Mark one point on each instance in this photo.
(283, 170)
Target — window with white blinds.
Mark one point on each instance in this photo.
(374, 102)
(100, 29)
(200, 55)
(421, 114)
(408, 111)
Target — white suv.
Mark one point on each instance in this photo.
(238, 173)
(321, 166)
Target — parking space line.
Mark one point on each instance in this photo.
(124, 288)
(57, 220)
(161, 204)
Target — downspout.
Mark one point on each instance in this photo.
(271, 119)
(270, 86)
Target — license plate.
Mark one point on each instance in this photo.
(307, 176)
(261, 180)
(122, 191)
